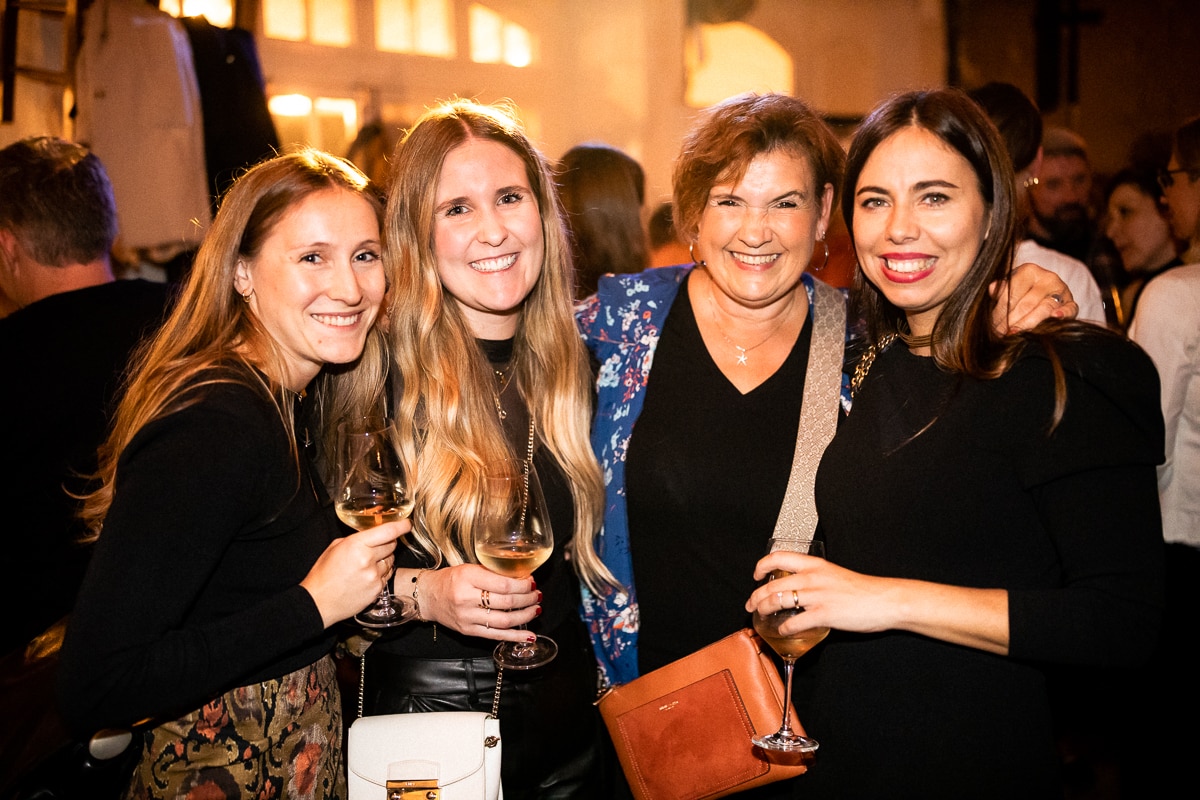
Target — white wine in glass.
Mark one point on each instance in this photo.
(789, 647)
(513, 538)
(371, 492)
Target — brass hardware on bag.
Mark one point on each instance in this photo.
(491, 741)
(413, 790)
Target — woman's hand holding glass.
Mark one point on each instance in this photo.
(347, 577)
(513, 538)
(453, 596)
(775, 622)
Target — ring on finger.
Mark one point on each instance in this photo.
(795, 599)
(1058, 298)
(485, 599)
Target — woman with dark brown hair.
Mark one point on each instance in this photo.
(977, 529)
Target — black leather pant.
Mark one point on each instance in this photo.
(549, 729)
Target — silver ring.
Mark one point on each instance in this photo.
(779, 597)
(1058, 298)
(486, 624)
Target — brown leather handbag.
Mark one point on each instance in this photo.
(682, 732)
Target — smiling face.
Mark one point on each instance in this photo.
(1138, 229)
(919, 222)
(487, 235)
(757, 235)
(317, 282)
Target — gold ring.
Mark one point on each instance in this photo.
(486, 625)
(795, 599)
(485, 599)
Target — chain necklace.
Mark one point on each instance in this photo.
(743, 352)
(502, 381)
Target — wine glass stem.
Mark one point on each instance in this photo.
(785, 727)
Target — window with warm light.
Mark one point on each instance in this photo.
(733, 57)
(496, 40)
(217, 12)
(329, 123)
(424, 27)
(326, 22)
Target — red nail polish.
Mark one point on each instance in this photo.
(531, 639)
(532, 585)
(539, 611)
(539, 597)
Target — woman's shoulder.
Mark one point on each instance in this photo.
(1094, 355)
(1110, 387)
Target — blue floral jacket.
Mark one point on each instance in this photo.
(621, 325)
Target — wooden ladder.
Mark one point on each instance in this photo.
(66, 13)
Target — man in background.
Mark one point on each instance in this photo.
(64, 349)
(1062, 217)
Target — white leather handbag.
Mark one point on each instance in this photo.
(436, 755)
(430, 755)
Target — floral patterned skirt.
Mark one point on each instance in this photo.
(267, 741)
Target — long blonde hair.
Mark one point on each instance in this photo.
(445, 413)
(210, 326)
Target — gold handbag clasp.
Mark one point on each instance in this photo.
(413, 790)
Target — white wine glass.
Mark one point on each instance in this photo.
(370, 492)
(513, 538)
(789, 647)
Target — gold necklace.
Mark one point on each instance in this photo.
(743, 352)
(502, 381)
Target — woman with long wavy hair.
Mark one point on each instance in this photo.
(488, 364)
(220, 567)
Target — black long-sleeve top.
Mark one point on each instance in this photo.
(962, 482)
(193, 589)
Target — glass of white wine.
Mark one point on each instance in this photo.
(371, 492)
(790, 647)
(513, 538)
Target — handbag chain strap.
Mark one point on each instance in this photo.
(818, 412)
(362, 686)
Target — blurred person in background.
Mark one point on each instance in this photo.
(1180, 183)
(1061, 213)
(1020, 126)
(1138, 224)
(64, 348)
(602, 190)
(666, 248)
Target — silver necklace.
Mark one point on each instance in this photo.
(743, 352)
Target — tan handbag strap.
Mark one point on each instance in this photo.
(818, 412)
(362, 686)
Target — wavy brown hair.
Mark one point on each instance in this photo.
(211, 328)
(444, 404)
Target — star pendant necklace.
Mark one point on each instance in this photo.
(743, 352)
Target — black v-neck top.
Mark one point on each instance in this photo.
(706, 473)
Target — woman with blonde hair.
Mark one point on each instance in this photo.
(220, 568)
(488, 364)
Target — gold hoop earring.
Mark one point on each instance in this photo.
(692, 256)
(246, 297)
